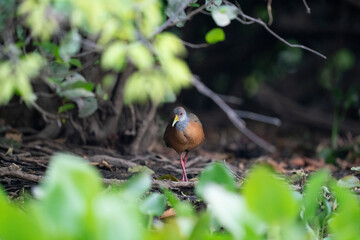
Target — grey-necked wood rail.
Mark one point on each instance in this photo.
(183, 133)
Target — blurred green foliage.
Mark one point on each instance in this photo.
(72, 203)
(122, 32)
(345, 96)
(266, 70)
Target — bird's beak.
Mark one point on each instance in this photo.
(176, 119)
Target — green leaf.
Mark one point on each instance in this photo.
(230, 210)
(108, 81)
(344, 59)
(116, 216)
(202, 227)
(65, 196)
(136, 186)
(216, 173)
(71, 79)
(75, 62)
(224, 14)
(48, 47)
(328, 154)
(66, 107)
(215, 35)
(140, 168)
(15, 223)
(344, 225)
(291, 57)
(141, 56)
(313, 195)
(269, 197)
(70, 45)
(37, 17)
(169, 97)
(87, 105)
(349, 182)
(77, 93)
(173, 200)
(153, 205)
(182, 209)
(58, 70)
(114, 56)
(251, 85)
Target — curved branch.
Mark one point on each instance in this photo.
(251, 20)
(192, 45)
(308, 10)
(232, 115)
(44, 112)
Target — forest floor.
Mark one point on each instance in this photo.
(23, 163)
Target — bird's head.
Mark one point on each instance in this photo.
(179, 115)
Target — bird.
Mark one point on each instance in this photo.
(183, 133)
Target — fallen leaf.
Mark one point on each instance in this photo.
(343, 164)
(168, 213)
(60, 140)
(315, 163)
(278, 166)
(14, 136)
(106, 164)
(9, 151)
(297, 162)
(140, 168)
(168, 177)
(241, 166)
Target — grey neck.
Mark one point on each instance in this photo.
(181, 125)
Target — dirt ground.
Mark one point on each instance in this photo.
(23, 163)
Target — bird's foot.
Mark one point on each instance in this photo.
(184, 178)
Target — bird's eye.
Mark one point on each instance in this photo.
(181, 114)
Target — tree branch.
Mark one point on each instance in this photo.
(251, 20)
(259, 117)
(15, 171)
(233, 117)
(192, 45)
(308, 10)
(270, 12)
(44, 112)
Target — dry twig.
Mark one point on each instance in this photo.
(15, 171)
(117, 162)
(250, 20)
(270, 12)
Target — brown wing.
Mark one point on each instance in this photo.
(194, 118)
(194, 133)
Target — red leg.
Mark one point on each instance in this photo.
(183, 168)
(186, 157)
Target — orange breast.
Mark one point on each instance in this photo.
(184, 140)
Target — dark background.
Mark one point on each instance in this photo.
(251, 51)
